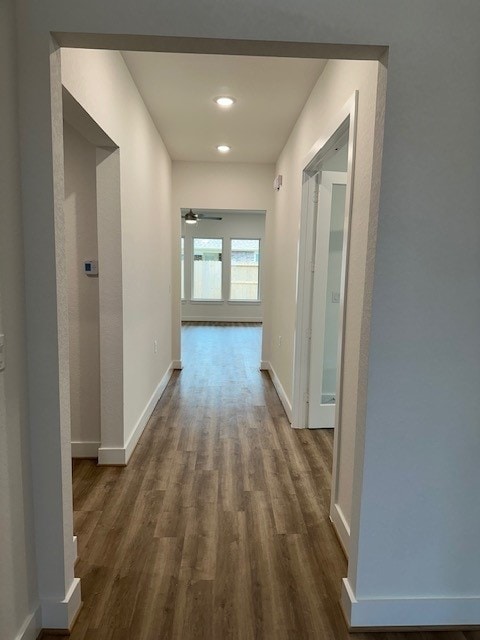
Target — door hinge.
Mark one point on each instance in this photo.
(315, 196)
(312, 267)
(307, 397)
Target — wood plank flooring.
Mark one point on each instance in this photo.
(218, 528)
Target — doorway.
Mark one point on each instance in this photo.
(94, 284)
(322, 287)
(280, 344)
(221, 272)
(221, 265)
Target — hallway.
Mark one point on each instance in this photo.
(218, 528)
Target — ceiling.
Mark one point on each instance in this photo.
(178, 90)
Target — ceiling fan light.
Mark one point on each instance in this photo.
(191, 218)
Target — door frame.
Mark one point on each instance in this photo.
(109, 448)
(345, 119)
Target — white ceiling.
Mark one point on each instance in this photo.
(179, 89)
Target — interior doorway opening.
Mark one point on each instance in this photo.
(222, 285)
(222, 266)
(322, 290)
(92, 244)
(276, 346)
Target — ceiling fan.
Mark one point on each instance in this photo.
(193, 218)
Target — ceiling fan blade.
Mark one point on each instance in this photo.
(202, 217)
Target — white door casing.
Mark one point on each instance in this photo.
(345, 120)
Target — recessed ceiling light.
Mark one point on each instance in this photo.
(223, 148)
(224, 101)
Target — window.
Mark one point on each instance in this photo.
(244, 269)
(182, 266)
(207, 268)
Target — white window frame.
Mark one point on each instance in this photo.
(257, 300)
(192, 298)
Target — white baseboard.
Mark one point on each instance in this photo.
(264, 365)
(112, 456)
(341, 526)
(59, 614)
(217, 319)
(279, 389)
(85, 449)
(177, 365)
(398, 613)
(121, 455)
(147, 412)
(31, 627)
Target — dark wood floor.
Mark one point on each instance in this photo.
(218, 528)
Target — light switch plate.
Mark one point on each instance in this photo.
(90, 268)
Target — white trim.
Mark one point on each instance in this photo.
(177, 365)
(264, 365)
(121, 455)
(341, 527)
(306, 254)
(267, 366)
(85, 449)
(114, 456)
(306, 257)
(147, 412)
(206, 301)
(352, 107)
(109, 231)
(75, 548)
(31, 627)
(60, 614)
(218, 319)
(301, 355)
(409, 612)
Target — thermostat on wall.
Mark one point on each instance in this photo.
(90, 267)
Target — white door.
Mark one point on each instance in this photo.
(326, 297)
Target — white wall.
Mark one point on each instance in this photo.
(18, 584)
(217, 185)
(335, 86)
(232, 225)
(414, 550)
(101, 83)
(80, 212)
